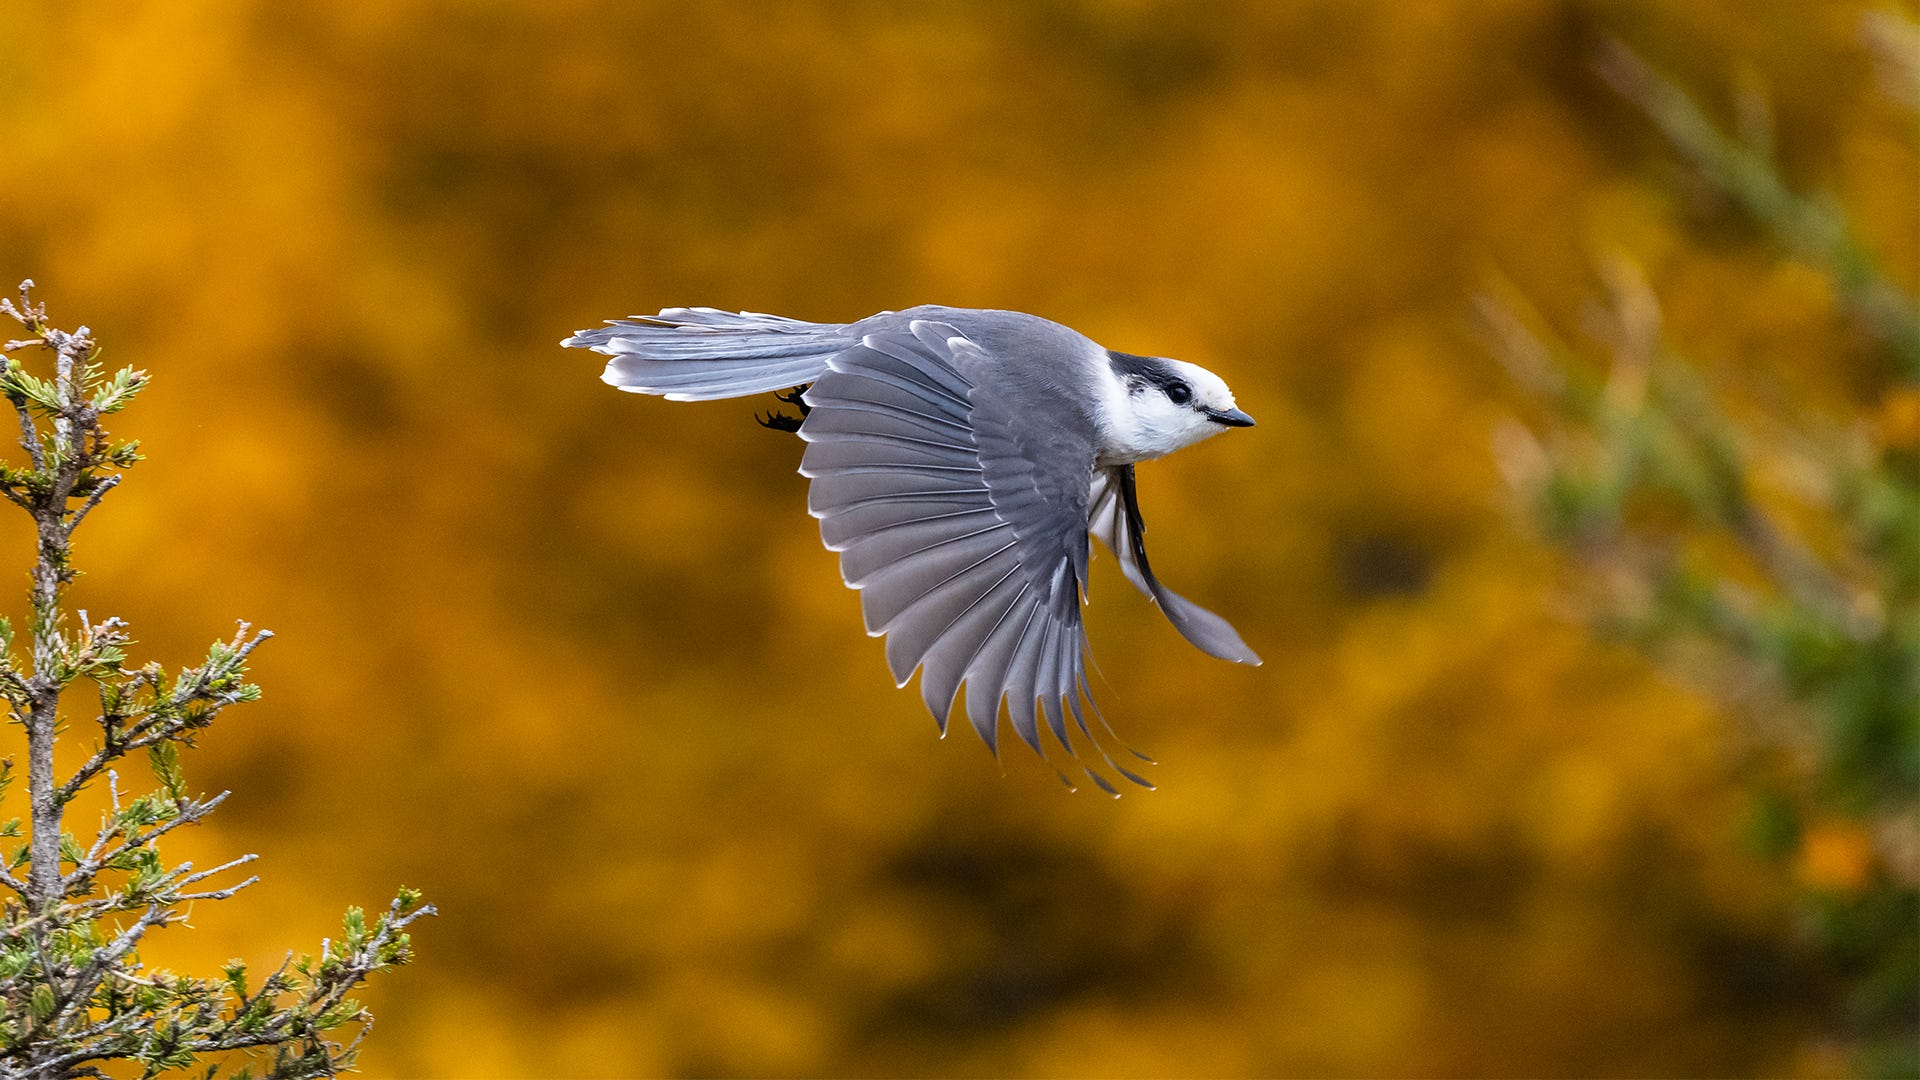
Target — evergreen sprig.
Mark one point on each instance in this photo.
(73, 992)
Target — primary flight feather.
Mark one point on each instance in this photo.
(960, 459)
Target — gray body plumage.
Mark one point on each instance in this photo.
(959, 462)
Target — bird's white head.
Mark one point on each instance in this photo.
(1153, 406)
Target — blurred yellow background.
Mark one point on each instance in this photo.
(575, 663)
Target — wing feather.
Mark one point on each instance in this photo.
(986, 675)
(914, 543)
(853, 453)
(829, 493)
(858, 520)
(890, 420)
(1022, 678)
(893, 358)
(927, 587)
(955, 650)
(1053, 690)
(905, 409)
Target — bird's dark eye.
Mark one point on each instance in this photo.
(1179, 393)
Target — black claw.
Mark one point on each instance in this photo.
(794, 397)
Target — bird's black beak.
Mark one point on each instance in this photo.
(1229, 417)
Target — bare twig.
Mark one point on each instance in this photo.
(105, 484)
(96, 859)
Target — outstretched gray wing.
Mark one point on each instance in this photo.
(964, 529)
(1117, 522)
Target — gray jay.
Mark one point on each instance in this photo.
(959, 460)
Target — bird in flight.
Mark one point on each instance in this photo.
(959, 461)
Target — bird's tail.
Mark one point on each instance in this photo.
(698, 354)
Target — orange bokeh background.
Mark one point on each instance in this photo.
(575, 663)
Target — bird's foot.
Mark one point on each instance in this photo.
(780, 421)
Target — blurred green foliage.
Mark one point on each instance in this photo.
(609, 703)
(1769, 553)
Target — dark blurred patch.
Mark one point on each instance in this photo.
(1376, 565)
(1558, 56)
(1149, 59)
(352, 387)
(1750, 972)
(1741, 966)
(1062, 928)
(1484, 883)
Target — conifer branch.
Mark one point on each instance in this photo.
(73, 993)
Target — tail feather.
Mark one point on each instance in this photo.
(698, 354)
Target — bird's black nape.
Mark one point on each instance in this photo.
(779, 421)
(1151, 369)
